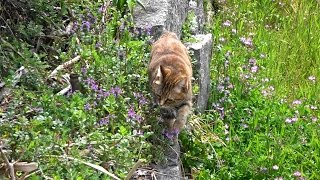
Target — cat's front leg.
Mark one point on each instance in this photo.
(182, 116)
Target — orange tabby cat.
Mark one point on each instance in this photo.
(170, 74)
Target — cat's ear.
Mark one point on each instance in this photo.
(181, 86)
(159, 77)
(165, 71)
(161, 72)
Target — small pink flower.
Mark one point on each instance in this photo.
(294, 119)
(254, 69)
(297, 174)
(278, 178)
(312, 78)
(288, 120)
(314, 119)
(246, 41)
(227, 23)
(296, 102)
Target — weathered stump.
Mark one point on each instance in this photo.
(202, 52)
(161, 15)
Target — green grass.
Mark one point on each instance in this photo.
(263, 116)
(258, 88)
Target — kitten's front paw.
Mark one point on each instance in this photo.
(167, 113)
(154, 105)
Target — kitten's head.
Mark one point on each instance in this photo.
(170, 87)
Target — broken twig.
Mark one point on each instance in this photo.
(97, 167)
(133, 169)
(64, 65)
(9, 165)
(5, 91)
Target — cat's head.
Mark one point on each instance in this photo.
(170, 87)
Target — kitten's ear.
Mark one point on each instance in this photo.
(165, 71)
(181, 86)
(159, 77)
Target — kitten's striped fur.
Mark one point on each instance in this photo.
(170, 74)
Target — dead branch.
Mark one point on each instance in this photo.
(133, 169)
(97, 167)
(18, 74)
(9, 165)
(64, 91)
(64, 65)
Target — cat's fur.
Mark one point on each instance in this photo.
(170, 74)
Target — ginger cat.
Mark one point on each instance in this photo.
(170, 74)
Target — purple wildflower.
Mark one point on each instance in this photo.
(116, 91)
(95, 104)
(252, 61)
(148, 30)
(143, 101)
(85, 25)
(102, 9)
(98, 44)
(94, 87)
(131, 113)
(141, 98)
(90, 147)
(74, 27)
(227, 23)
(171, 134)
(84, 70)
(106, 94)
(87, 107)
(246, 41)
(105, 120)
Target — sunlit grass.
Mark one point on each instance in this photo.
(265, 91)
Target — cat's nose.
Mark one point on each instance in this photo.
(161, 102)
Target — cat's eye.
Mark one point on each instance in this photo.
(169, 100)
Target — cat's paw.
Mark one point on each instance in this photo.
(168, 113)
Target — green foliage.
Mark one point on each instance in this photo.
(264, 106)
(123, 5)
(263, 116)
(105, 123)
